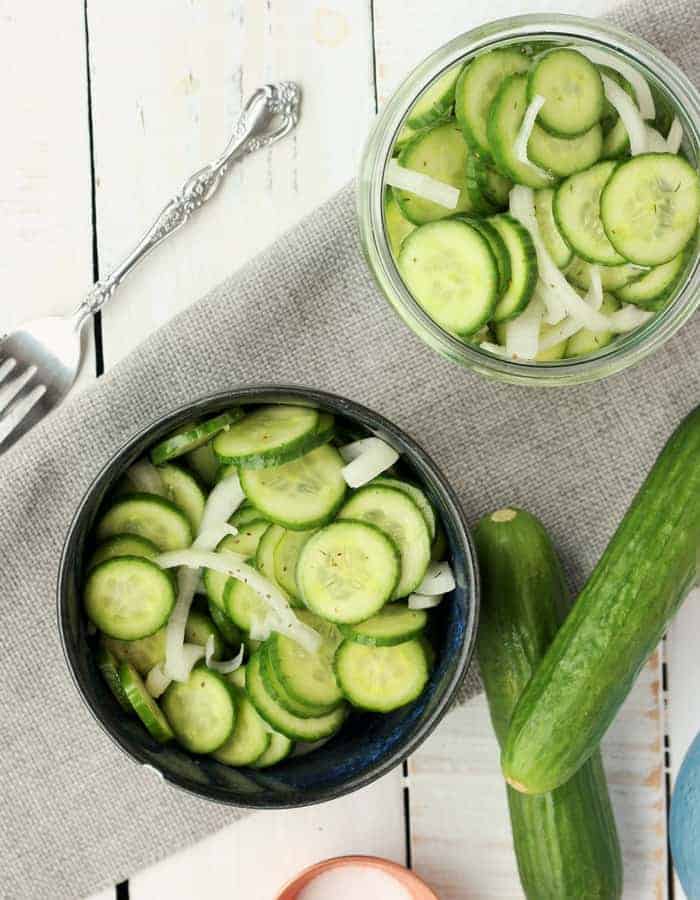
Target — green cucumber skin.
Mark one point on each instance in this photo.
(640, 581)
(566, 843)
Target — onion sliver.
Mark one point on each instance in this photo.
(522, 333)
(628, 318)
(641, 89)
(674, 138)
(656, 142)
(560, 332)
(594, 296)
(145, 477)
(234, 565)
(421, 185)
(438, 579)
(525, 132)
(496, 349)
(221, 504)
(376, 457)
(630, 115)
(225, 666)
(422, 601)
(157, 682)
(175, 662)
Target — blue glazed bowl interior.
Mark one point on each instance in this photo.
(368, 745)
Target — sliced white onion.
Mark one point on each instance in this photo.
(562, 331)
(421, 185)
(525, 132)
(522, 333)
(496, 349)
(234, 565)
(656, 142)
(144, 476)
(175, 661)
(557, 293)
(438, 579)
(225, 666)
(260, 628)
(641, 89)
(674, 139)
(631, 117)
(221, 504)
(211, 537)
(594, 295)
(157, 681)
(375, 457)
(628, 318)
(423, 601)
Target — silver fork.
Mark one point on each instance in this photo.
(40, 360)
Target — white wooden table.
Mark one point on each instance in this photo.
(107, 107)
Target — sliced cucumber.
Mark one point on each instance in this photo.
(248, 539)
(245, 514)
(573, 92)
(144, 705)
(650, 207)
(396, 515)
(267, 436)
(499, 250)
(416, 494)
(523, 267)
(250, 737)
(285, 557)
(451, 271)
(278, 692)
(505, 118)
(577, 210)
(396, 225)
(109, 669)
(123, 545)
(201, 711)
(242, 604)
(493, 186)
(306, 677)
(278, 749)
(265, 557)
(215, 582)
(301, 494)
(584, 341)
(565, 156)
(184, 491)
(552, 238)
(479, 204)
(199, 628)
(143, 654)
(128, 597)
(191, 436)
(381, 679)
(435, 101)
(394, 624)
(204, 463)
(441, 153)
(553, 353)
(616, 143)
(230, 632)
(476, 89)
(612, 277)
(655, 288)
(348, 570)
(154, 518)
(311, 729)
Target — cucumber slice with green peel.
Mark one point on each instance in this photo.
(555, 352)
(436, 101)
(201, 711)
(278, 749)
(397, 227)
(584, 341)
(251, 646)
(265, 558)
(294, 727)
(215, 582)
(479, 202)
(109, 669)
(441, 153)
(306, 677)
(650, 207)
(523, 267)
(277, 690)
(199, 627)
(143, 654)
(494, 187)
(416, 494)
(183, 490)
(348, 570)
(267, 436)
(577, 211)
(230, 632)
(286, 556)
(148, 516)
(248, 539)
(245, 514)
(499, 250)
(237, 677)
(612, 277)
(573, 91)
(394, 624)
(242, 604)
(476, 89)
(557, 247)
(123, 545)
(381, 679)
(301, 494)
(565, 156)
(616, 142)
(451, 271)
(204, 463)
(250, 737)
(398, 516)
(505, 118)
(655, 288)
(440, 545)
(191, 436)
(144, 705)
(128, 597)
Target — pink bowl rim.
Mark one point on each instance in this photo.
(307, 875)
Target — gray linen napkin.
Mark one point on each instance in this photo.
(76, 814)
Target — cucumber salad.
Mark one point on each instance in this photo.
(538, 203)
(257, 576)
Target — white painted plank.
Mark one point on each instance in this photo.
(256, 857)
(459, 819)
(45, 216)
(172, 109)
(107, 894)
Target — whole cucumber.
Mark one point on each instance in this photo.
(565, 842)
(641, 579)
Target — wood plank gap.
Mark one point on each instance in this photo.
(407, 814)
(374, 61)
(670, 879)
(122, 890)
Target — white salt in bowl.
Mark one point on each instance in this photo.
(357, 878)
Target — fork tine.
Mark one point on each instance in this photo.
(6, 366)
(21, 415)
(11, 388)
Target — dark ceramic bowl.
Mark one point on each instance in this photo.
(368, 745)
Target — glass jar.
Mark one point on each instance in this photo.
(662, 75)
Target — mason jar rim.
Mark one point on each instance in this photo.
(628, 349)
